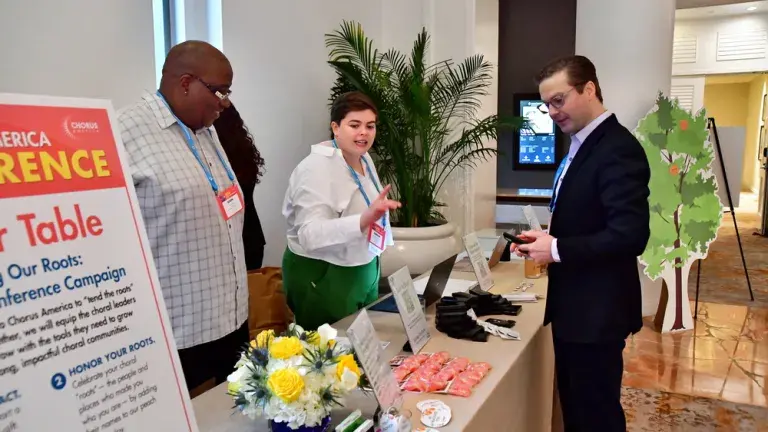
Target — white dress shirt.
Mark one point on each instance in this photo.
(199, 256)
(323, 206)
(577, 140)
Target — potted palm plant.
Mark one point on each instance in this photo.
(427, 128)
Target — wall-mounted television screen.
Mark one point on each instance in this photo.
(537, 147)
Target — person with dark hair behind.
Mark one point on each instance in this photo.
(248, 166)
(338, 220)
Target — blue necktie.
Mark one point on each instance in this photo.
(557, 179)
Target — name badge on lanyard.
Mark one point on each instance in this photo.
(230, 200)
(379, 233)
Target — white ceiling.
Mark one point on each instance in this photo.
(738, 7)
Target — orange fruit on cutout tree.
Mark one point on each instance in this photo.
(683, 124)
(674, 170)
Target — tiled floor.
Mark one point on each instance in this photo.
(725, 357)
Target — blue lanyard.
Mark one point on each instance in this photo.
(557, 179)
(356, 178)
(193, 148)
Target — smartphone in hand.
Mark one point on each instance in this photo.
(515, 239)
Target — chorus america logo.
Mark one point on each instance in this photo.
(74, 127)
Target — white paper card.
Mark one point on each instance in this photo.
(479, 263)
(495, 330)
(452, 286)
(521, 297)
(530, 215)
(408, 305)
(367, 345)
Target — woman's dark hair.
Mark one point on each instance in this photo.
(351, 102)
(241, 151)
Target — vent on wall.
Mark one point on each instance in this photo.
(684, 95)
(746, 45)
(684, 49)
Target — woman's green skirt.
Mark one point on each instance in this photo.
(320, 293)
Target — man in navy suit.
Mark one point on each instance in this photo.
(599, 225)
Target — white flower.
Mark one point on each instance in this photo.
(243, 360)
(327, 333)
(349, 380)
(296, 328)
(275, 364)
(237, 375)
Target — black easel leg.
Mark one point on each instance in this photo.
(743, 259)
(698, 279)
(730, 204)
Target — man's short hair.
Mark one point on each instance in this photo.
(579, 69)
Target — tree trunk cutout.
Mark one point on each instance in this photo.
(674, 312)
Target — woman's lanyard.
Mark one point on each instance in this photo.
(356, 178)
(193, 148)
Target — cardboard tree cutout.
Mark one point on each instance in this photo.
(685, 208)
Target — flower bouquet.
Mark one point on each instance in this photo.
(294, 379)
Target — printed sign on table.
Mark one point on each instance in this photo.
(369, 350)
(479, 263)
(85, 341)
(410, 310)
(530, 216)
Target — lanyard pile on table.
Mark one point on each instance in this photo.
(453, 316)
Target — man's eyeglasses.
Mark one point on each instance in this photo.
(218, 91)
(558, 101)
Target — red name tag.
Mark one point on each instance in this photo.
(230, 202)
(376, 237)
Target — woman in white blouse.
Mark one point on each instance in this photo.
(338, 220)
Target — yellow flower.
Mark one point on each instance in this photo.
(313, 338)
(331, 343)
(347, 361)
(263, 339)
(286, 384)
(233, 387)
(285, 347)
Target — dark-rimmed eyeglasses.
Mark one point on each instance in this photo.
(218, 91)
(557, 101)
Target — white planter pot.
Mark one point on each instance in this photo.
(419, 248)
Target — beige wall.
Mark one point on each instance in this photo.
(733, 105)
(727, 103)
(751, 177)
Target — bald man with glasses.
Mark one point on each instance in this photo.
(192, 207)
(599, 225)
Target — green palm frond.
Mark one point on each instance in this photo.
(350, 44)
(427, 125)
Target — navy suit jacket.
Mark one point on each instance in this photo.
(601, 223)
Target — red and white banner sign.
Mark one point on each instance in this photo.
(85, 341)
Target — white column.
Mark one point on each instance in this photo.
(630, 43)
(484, 176)
(451, 26)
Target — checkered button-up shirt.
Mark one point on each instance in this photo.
(199, 255)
